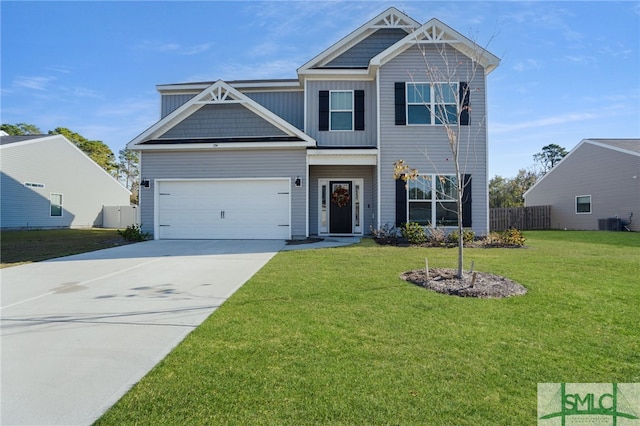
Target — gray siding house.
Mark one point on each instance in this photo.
(315, 155)
(47, 182)
(597, 181)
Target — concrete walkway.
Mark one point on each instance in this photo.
(79, 331)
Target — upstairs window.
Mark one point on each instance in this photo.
(431, 103)
(341, 110)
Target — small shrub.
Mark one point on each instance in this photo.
(467, 236)
(513, 237)
(133, 233)
(414, 233)
(388, 234)
(510, 238)
(436, 236)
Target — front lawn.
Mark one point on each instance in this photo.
(28, 246)
(333, 336)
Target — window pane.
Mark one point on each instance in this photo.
(446, 214)
(418, 93)
(446, 187)
(341, 121)
(420, 189)
(323, 218)
(420, 212)
(56, 204)
(341, 100)
(446, 114)
(418, 114)
(583, 204)
(446, 93)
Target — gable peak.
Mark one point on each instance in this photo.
(393, 18)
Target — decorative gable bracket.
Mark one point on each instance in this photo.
(394, 20)
(217, 95)
(434, 34)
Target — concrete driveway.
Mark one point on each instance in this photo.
(79, 331)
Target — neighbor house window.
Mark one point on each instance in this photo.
(583, 204)
(432, 200)
(55, 201)
(431, 104)
(341, 110)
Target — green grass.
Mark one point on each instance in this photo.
(18, 247)
(333, 336)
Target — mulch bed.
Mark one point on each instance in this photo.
(477, 284)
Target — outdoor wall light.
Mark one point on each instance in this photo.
(298, 181)
(145, 183)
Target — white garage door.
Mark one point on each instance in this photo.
(223, 209)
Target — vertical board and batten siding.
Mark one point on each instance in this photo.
(289, 105)
(342, 172)
(170, 103)
(360, 54)
(221, 121)
(226, 164)
(426, 148)
(352, 138)
(62, 169)
(603, 173)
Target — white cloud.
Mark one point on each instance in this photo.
(579, 59)
(172, 47)
(543, 122)
(34, 83)
(526, 65)
(279, 68)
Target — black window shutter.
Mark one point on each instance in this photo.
(401, 202)
(463, 88)
(359, 109)
(466, 202)
(323, 110)
(401, 104)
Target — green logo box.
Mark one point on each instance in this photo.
(567, 404)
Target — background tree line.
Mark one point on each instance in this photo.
(509, 192)
(125, 168)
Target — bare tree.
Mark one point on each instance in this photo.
(451, 76)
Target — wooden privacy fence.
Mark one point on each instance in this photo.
(522, 218)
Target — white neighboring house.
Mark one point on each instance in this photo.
(47, 182)
(596, 186)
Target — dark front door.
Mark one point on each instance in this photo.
(340, 210)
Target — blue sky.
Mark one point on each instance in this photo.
(569, 70)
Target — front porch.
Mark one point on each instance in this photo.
(342, 199)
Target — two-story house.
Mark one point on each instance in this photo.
(280, 159)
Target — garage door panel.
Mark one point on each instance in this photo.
(224, 209)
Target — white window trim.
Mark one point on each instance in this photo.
(590, 204)
(434, 201)
(432, 103)
(352, 111)
(51, 194)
